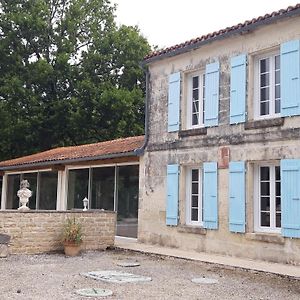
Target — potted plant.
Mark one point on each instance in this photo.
(72, 237)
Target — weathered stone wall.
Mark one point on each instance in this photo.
(253, 141)
(40, 231)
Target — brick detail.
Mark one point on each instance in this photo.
(38, 232)
(223, 157)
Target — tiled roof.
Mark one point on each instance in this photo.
(77, 153)
(247, 25)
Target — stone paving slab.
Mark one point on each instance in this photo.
(94, 292)
(113, 276)
(226, 261)
(128, 264)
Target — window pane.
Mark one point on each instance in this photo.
(264, 173)
(278, 189)
(77, 187)
(277, 78)
(195, 174)
(278, 204)
(195, 188)
(265, 203)
(194, 201)
(264, 94)
(194, 214)
(47, 190)
(277, 91)
(277, 62)
(264, 79)
(195, 94)
(195, 106)
(128, 199)
(264, 65)
(195, 119)
(103, 186)
(278, 220)
(277, 172)
(277, 106)
(32, 179)
(265, 219)
(13, 185)
(195, 82)
(264, 108)
(265, 188)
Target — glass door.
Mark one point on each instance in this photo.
(127, 200)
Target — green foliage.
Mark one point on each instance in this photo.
(72, 232)
(69, 75)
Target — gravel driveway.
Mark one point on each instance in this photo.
(55, 276)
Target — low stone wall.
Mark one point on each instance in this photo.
(40, 231)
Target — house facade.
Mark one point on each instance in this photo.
(221, 169)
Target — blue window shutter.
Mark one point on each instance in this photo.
(210, 195)
(237, 208)
(290, 78)
(174, 102)
(238, 89)
(211, 104)
(290, 197)
(172, 196)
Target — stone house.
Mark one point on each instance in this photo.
(221, 169)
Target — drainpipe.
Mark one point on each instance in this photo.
(140, 151)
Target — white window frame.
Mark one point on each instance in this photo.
(257, 60)
(189, 102)
(189, 197)
(257, 202)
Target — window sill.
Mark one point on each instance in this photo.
(191, 229)
(192, 132)
(266, 237)
(257, 124)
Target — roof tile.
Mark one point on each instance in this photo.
(118, 146)
(209, 36)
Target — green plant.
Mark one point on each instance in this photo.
(72, 232)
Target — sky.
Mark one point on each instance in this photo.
(168, 22)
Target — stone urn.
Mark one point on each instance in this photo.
(24, 194)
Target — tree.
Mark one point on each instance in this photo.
(69, 75)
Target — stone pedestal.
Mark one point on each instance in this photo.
(4, 248)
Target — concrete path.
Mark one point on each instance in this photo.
(227, 261)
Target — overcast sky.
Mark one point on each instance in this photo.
(169, 22)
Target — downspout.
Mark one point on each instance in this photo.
(140, 151)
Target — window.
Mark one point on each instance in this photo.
(195, 103)
(268, 198)
(77, 187)
(267, 89)
(128, 201)
(103, 188)
(110, 188)
(194, 197)
(43, 186)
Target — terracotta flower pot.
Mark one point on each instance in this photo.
(72, 249)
